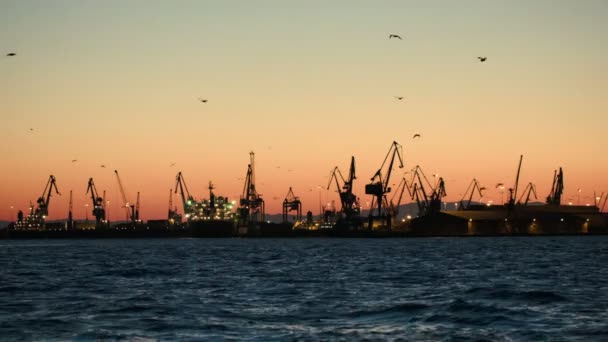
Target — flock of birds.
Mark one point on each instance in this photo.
(482, 59)
(399, 98)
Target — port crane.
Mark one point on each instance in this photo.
(474, 185)
(98, 204)
(129, 208)
(529, 190)
(394, 207)
(290, 203)
(188, 202)
(349, 202)
(42, 211)
(428, 198)
(555, 197)
(173, 217)
(513, 191)
(379, 186)
(252, 204)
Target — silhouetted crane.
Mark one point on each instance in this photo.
(474, 185)
(350, 205)
(251, 203)
(188, 202)
(530, 189)
(379, 186)
(98, 205)
(290, 203)
(557, 188)
(129, 207)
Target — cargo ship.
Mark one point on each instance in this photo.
(212, 217)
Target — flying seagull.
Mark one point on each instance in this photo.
(202, 100)
(417, 136)
(11, 54)
(482, 59)
(394, 36)
(74, 160)
(31, 129)
(399, 98)
(172, 164)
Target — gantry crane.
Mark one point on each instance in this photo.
(98, 205)
(188, 202)
(474, 185)
(292, 202)
(350, 203)
(379, 186)
(129, 207)
(251, 203)
(555, 197)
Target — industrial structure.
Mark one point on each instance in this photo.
(251, 208)
(379, 187)
(36, 218)
(98, 204)
(217, 216)
(290, 203)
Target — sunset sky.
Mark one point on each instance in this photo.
(303, 84)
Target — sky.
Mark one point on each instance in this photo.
(303, 84)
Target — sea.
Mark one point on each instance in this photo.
(307, 289)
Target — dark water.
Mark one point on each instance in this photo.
(547, 288)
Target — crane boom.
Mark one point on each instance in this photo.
(125, 204)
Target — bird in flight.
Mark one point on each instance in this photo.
(399, 98)
(172, 164)
(202, 100)
(417, 136)
(31, 129)
(482, 59)
(498, 185)
(394, 36)
(74, 160)
(103, 166)
(11, 54)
